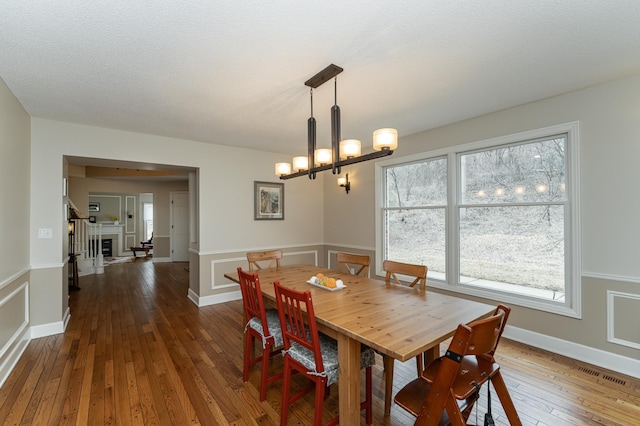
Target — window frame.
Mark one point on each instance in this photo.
(444, 207)
(572, 306)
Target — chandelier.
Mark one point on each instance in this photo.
(342, 152)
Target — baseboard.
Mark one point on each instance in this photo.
(215, 299)
(49, 329)
(14, 356)
(161, 259)
(596, 357)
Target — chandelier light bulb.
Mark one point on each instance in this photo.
(283, 169)
(300, 163)
(323, 156)
(350, 148)
(385, 139)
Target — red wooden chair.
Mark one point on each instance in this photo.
(262, 325)
(311, 353)
(450, 385)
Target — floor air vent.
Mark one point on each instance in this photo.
(614, 379)
(596, 373)
(589, 371)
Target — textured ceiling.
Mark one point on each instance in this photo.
(233, 72)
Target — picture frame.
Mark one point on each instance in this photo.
(94, 207)
(268, 200)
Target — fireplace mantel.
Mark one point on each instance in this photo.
(111, 229)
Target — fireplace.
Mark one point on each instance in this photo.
(107, 247)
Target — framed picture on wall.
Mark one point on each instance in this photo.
(268, 199)
(94, 207)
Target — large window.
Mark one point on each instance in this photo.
(495, 218)
(415, 214)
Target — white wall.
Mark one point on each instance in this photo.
(14, 229)
(225, 186)
(14, 184)
(609, 116)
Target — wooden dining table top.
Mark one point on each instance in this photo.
(397, 320)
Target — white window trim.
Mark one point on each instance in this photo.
(573, 296)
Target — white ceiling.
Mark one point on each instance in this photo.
(233, 72)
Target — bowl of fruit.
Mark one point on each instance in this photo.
(326, 283)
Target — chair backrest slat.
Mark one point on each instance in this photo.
(418, 271)
(298, 321)
(256, 257)
(346, 260)
(252, 298)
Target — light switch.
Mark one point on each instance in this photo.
(45, 233)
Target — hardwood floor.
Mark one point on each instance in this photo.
(137, 352)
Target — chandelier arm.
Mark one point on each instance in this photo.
(347, 162)
(311, 140)
(335, 138)
(311, 148)
(335, 128)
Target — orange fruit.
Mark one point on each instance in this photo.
(319, 276)
(331, 283)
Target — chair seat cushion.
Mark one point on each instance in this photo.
(273, 322)
(329, 350)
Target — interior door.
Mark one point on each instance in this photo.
(180, 226)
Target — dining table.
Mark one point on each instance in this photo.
(396, 320)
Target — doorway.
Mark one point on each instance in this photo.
(180, 226)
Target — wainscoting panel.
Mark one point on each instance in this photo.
(229, 264)
(14, 334)
(622, 323)
(130, 209)
(130, 241)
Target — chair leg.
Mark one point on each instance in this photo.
(286, 384)
(420, 364)
(505, 399)
(455, 416)
(265, 372)
(388, 383)
(369, 403)
(247, 355)
(319, 404)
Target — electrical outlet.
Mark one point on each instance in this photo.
(45, 233)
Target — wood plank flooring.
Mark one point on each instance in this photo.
(137, 352)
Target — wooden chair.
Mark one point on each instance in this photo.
(347, 260)
(450, 385)
(312, 354)
(255, 257)
(262, 325)
(420, 273)
(148, 243)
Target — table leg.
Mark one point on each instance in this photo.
(349, 380)
(427, 357)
